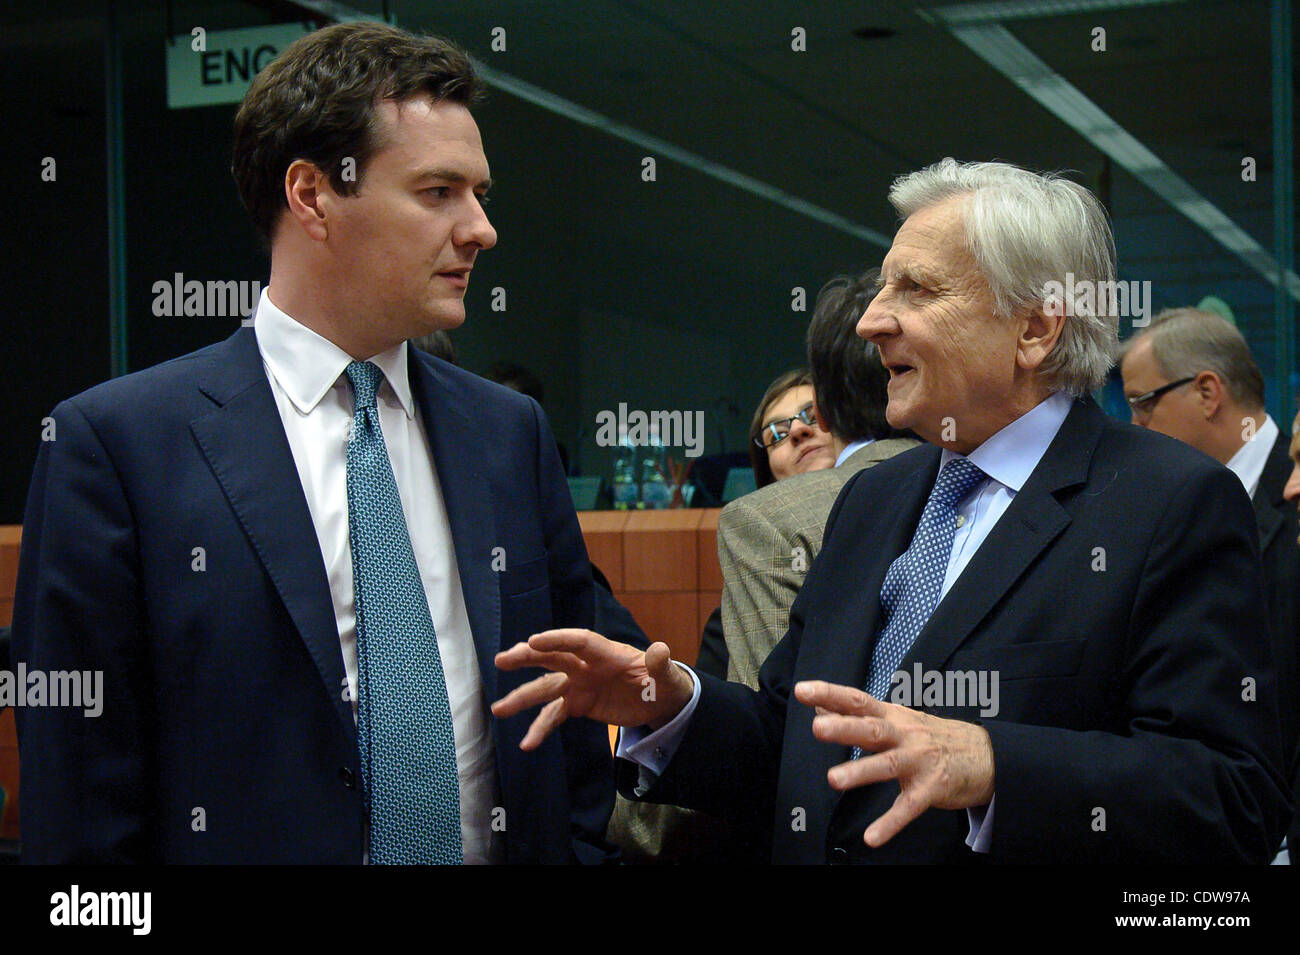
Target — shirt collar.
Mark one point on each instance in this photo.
(852, 449)
(307, 365)
(1011, 455)
(1248, 463)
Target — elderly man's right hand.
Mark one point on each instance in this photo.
(593, 677)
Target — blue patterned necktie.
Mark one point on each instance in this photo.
(404, 729)
(915, 579)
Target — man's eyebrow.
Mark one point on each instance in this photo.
(451, 175)
(911, 271)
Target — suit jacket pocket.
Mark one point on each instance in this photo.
(1022, 661)
(525, 600)
(522, 577)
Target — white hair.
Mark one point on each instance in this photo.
(1025, 231)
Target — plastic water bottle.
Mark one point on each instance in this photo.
(655, 492)
(625, 486)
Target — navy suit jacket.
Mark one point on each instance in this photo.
(1281, 556)
(1119, 599)
(225, 734)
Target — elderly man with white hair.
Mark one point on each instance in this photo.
(1038, 638)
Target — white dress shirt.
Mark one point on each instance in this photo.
(315, 401)
(1248, 463)
(1008, 458)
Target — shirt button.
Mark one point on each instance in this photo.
(348, 777)
(960, 520)
(839, 856)
(659, 753)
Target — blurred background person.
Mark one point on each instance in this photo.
(785, 437)
(768, 539)
(1192, 376)
(439, 345)
(520, 379)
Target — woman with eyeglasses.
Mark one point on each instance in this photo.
(784, 437)
(784, 440)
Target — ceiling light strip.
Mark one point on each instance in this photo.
(1030, 9)
(997, 47)
(661, 147)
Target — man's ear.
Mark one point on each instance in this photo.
(307, 192)
(1210, 393)
(1043, 327)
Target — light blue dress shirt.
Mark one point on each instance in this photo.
(852, 449)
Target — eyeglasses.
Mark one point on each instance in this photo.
(1145, 404)
(776, 432)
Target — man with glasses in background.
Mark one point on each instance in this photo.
(1191, 375)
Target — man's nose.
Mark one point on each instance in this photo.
(1292, 490)
(875, 321)
(477, 230)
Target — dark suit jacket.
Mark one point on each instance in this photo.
(223, 688)
(1122, 735)
(1281, 555)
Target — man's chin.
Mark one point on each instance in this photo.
(442, 321)
(899, 416)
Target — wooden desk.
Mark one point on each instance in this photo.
(663, 567)
(10, 537)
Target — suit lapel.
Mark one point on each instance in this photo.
(1032, 521)
(246, 447)
(1268, 501)
(842, 647)
(466, 494)
(843, 652)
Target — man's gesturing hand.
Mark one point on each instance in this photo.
(944, 764)
(593, 677)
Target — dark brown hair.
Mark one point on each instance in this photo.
(850, 382)
(316, 101)
(793, 378)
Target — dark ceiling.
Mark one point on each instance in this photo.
(881, 89)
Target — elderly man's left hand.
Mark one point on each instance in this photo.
(941, 764)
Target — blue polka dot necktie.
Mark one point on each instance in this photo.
(915, 579)
(404, 729)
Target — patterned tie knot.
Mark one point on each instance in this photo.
(957, 479)
(365, 377)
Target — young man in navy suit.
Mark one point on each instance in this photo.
(293, 554)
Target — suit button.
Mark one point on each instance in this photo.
(839, 856)
(348, 777)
